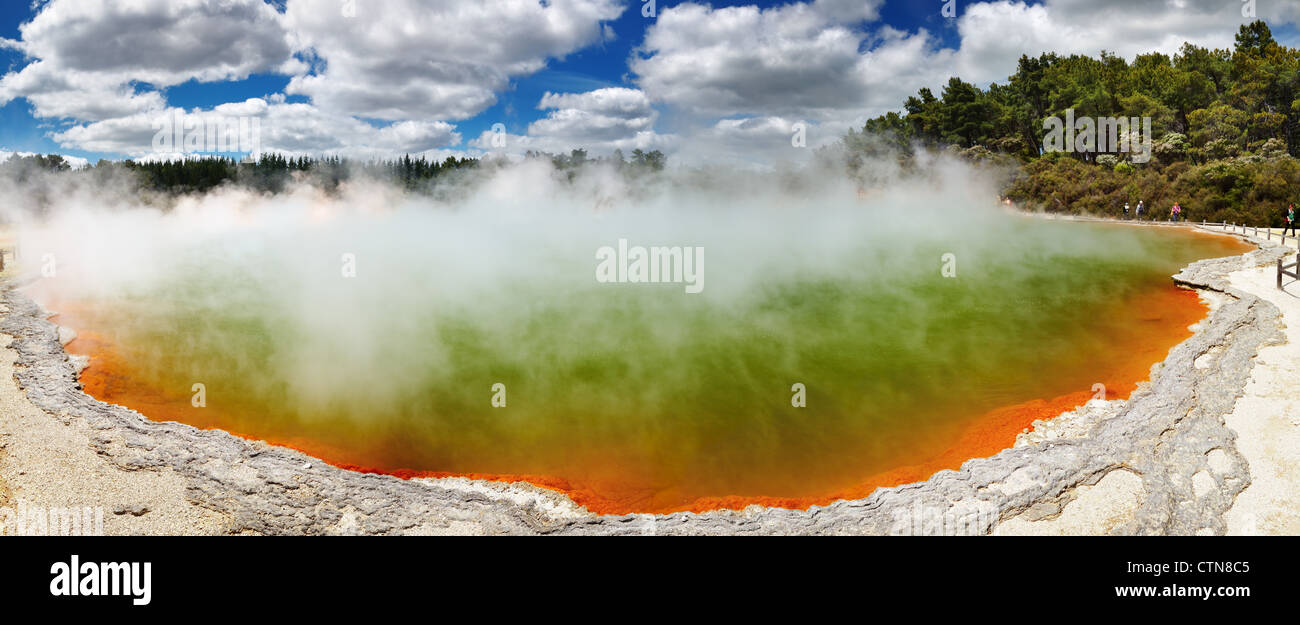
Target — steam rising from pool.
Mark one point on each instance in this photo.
(372, 326)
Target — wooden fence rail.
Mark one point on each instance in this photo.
(1244, 229)
(1282, 270)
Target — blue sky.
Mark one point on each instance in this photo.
(712, 79)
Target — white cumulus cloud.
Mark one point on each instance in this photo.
(403, 59)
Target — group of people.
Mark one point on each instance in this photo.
(1175, 213)
(1141, 209)
(1290, 224)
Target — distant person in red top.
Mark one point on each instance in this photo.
(1290, 220)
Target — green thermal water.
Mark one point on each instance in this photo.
(643, 385)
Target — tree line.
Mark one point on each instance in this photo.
(1226, 126)
(272, 172)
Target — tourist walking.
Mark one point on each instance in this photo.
(1140, 209)
(1125, 210)
(1290, 220)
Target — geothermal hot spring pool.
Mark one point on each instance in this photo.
(372, 332)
